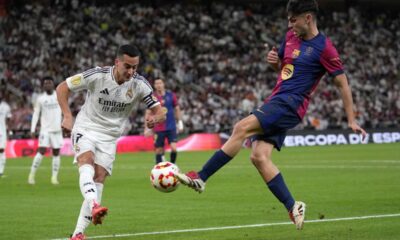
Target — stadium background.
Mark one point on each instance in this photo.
(210, 52)
(351, 190)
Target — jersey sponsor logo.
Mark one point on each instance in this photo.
(105, 91)
(287, 71)
(129, 93)
(76, 80)
(113, 106)
(296, 53)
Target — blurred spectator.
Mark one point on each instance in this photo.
(213, 57)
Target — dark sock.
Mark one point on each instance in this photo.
(218, 160)
(279, 189)
(173, 156)
(159, 158)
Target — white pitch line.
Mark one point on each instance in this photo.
(237, 227)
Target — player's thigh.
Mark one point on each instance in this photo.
(3, 139)
(172, 137)
(84, 147)
(56, 140)
(276, 117)
(105, 154)
(159, 139)
(44, 139)
(248, 126)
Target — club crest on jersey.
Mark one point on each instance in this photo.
(309, 50)
(295, 53)
(287, 71)
(129, 93)
(76, 80)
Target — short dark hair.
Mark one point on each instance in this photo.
(47, 78)
(128, 49)
(297, 7)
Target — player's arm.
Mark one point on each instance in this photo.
(156, 115)
(178, 117)
(35, 118)
(63, 93)
(344, 88)
(273, 59)
(147, 131)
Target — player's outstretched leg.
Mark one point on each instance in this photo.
(192, 180)
(78, 236)
(297, 214)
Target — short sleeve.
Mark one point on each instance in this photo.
(330, 59)
(81, 81)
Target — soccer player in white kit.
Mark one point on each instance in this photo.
(112, 94)
(5, 116)
(50, 129)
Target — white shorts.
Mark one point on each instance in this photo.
(51, 139)
(3, 139)
(102, 145)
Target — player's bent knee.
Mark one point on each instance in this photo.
(239, 130)
(86, 158)
(258, 159)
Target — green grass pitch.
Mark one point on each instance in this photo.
(336, 182)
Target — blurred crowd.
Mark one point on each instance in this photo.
(212, 55)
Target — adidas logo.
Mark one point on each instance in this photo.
(104, 91)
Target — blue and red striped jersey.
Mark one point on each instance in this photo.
(168, 101)
(303, 63)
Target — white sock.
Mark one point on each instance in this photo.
(56, 165)
(84, 219)
(2, 162)
(37, 160)
(99, 187)
(87, 185)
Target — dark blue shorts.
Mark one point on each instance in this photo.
(159, 137)
(275, 119)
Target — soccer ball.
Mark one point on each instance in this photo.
(163, 178)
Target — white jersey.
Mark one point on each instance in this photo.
(5, 112)
(50, 113)
(109, 105)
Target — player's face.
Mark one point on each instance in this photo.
(159, 85)
(126, 67)
(48, 86)
(299, 24)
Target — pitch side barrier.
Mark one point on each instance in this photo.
(212, 141)
(296, 138)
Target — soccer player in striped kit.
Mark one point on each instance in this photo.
(50, 135)
(112, 94)
(303, 58)
(168, 128)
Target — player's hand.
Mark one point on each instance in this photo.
(148, 132)
(180, 126)
(66, 125)
(150, 122)
(272, 56)
(33, 136)
(357, 129)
